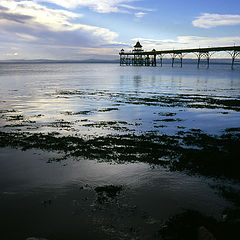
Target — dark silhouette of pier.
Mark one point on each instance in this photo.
(139, 57)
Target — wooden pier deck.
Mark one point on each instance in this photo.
(149, 58)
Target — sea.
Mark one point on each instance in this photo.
(93, 151)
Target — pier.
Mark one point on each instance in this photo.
(139, 57)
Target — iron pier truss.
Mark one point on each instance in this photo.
(139, 57)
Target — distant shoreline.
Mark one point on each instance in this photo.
(59, 61)
(116, 61)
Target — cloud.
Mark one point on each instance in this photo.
(30, 12)
(31, 21)
(137, 8)
(42, 32)
(12, 54)
(100, 6)
(13, 17)
(26, 37)
(184, 42)
(140, 14)
(208, 20)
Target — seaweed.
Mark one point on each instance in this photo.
(7, 111)
(229, 193)
(15, 117)
(190, 224)
(193, 151)
(168, 120)
(209, 155)
(167, 114)
(112, 125)
(108, 109)
(60, 124)
(107, 193)
(165, 100)
(232, 130)
(86, 112)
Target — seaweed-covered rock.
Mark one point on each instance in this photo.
(107, 193)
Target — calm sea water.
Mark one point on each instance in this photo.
(56, 200)
(35, 89)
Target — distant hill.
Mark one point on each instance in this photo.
(59, 61)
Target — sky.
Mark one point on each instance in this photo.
(99, 29)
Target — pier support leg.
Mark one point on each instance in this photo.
(203, 55)
(181, 62)
(233, 59)
(155, 60)
(173, 60)
(147, 61)
(161, 61)
(199, 58)
(234, 54)
(121, 60)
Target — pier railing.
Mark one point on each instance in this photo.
(149, 58)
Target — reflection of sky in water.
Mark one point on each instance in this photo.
(28, 173)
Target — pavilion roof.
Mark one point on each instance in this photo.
(138, 45)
